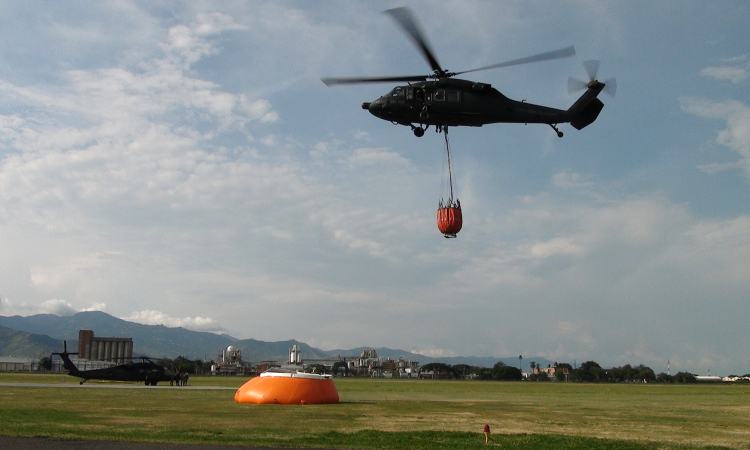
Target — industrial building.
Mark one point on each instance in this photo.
(111, 349)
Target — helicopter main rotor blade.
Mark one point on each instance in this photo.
(404, 17)
(546, 56)
(362, 80)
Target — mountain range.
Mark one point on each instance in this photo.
(42, 334)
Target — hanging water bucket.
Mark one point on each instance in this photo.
(449, 219)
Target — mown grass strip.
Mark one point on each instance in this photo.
(393, 414)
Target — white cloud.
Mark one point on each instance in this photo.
(375, 156)
(734, 73)
(568, 180)
(189, 41)
(57, 307)
(737, 116)
(152, 317)
(434, 352)
(130, 174)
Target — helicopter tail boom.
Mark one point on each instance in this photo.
(67, 363)
(587, 115)
(587, 108)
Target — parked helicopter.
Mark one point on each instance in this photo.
(147, 371)
(448, 101)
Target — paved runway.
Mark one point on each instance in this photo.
(27, 443)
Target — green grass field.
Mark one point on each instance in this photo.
(392, 414)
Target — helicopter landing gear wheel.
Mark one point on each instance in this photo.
(419, 131)
(554, 127)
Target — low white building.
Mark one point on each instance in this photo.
(18, 364)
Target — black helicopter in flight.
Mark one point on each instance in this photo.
(146, 371)
(448, 102)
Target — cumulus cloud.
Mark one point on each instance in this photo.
(736, 135)
(375, 156)
(434, 352)
(136, 179)
(569, 180)
(189, 43)
(57, 307)
(153, 317)
(735, 70)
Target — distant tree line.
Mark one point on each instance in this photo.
(182, 364)
(589, 371)
(499, 371)
(592, 372)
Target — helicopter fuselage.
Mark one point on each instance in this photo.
(145, 371)
(450, 102)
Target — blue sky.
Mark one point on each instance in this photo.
(182, 163)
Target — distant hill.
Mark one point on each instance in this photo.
(156, 341)
(253, 350)
(153, 340)
(479, 361)
(23, 343)
(45, 333)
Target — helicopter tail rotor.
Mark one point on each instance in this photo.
(592, 68)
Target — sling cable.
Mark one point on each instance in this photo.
(449, 219)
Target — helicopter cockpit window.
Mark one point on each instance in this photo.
(397, 92)
(439, 96)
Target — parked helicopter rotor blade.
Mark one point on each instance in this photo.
(592, 68)
(546, 56)
(404, 17)
(362, 80)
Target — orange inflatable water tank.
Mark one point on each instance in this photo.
(449, 220)
(288, 388)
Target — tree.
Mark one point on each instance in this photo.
(340, 366)
(501, 371)
(664, 378)
(520, 362)
(684, 377)
(539, 376)
(45, 363)
(593, 371)
(645, 373)
(561, 369)
(441, 370)
(316, 368)
(461, 370)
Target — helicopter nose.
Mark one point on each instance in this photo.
(377, 106)
(366, 105)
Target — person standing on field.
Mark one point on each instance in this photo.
(487, 434)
